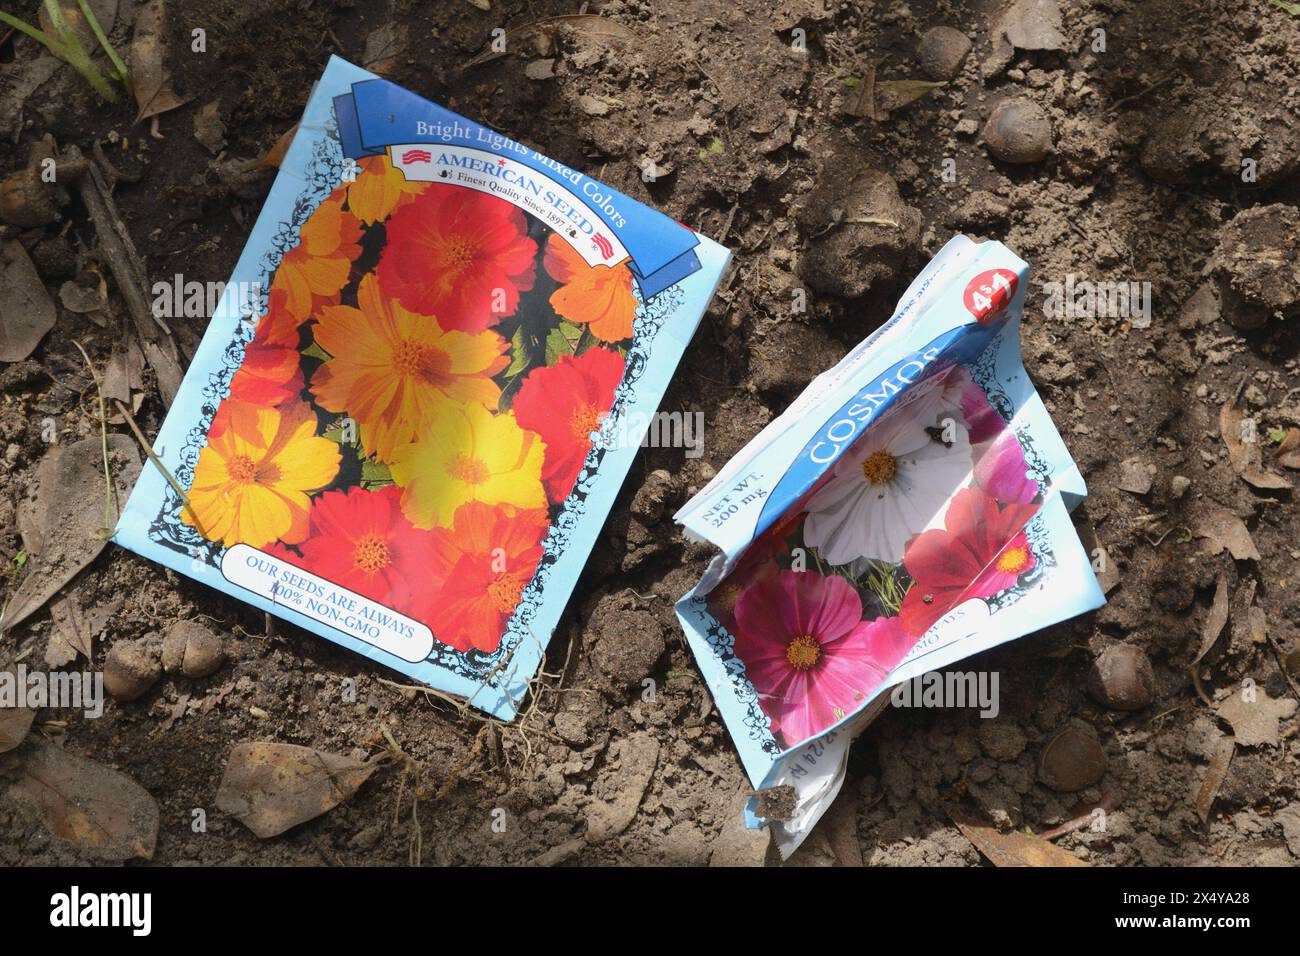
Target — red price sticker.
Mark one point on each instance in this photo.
(989, 293)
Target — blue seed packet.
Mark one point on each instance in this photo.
(422, 389)
(909, 509)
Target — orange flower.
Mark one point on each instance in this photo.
(600, 296)
(319, 266)
(483, 563)
(271, 373)
(252, 481)
(391, 367)
(379, 189)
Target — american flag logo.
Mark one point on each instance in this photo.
(417, 156)
(603, 244)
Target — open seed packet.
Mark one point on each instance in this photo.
(908, 510)
(419, 395)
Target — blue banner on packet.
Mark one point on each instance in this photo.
(412, 409)
(908, 510)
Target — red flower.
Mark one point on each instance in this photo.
(458, 255)
(272, 370)
(483, 562)
(361, 541)
(980, 551)
(565, 403)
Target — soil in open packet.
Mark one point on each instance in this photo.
(908, 510)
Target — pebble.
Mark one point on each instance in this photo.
(1121, 678)
(941, 53)
(1135, 476)
(1018, 131)
(191, 649)
(130, 670)
(1072, 760)
(1179, 484)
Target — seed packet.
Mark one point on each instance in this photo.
(908, 510)
(409, 415)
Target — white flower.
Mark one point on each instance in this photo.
(893, 483)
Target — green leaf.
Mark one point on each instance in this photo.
(375, 473)
(563, 340)
(713, 148)
(520, 353)
(315, 351)
(1276, 435)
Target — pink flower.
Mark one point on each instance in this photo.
(1002, 472)
(808, 653)
(960, 391)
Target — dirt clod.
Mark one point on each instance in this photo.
(941, 52)
(132, 667)
(1072, 760)
(1018, 131)
(1121, 678)
(191, 649)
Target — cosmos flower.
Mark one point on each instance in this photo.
(482, 564)
(361, 540)
(960, 392)
(252, 481)
(465, 453)
(892, 483)
(379, 189)
(808, 653)
(460, 255)
(599, 296)
(1003, 473)
(319, 266)
(565, 403)
(390, 368)
(981, 550)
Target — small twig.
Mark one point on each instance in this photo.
(171, 479)
(107, 530)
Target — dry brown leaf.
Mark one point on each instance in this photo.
(1244, 451)
(1215, 774)
(588, 26)
(270, 787)
(1012, 849)
(14, 724)
(1223, 529)
(1255, 717)
(209, 130)
(1214, 622)
(275, 155)
(1288, 449)
(75, 628)
(87, 803)
(384, 47)
(72, 509)
(27, 312)
(894, 94)
(150, 78)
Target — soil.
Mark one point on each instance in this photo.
(759, 145)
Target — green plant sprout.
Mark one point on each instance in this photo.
(65, 45)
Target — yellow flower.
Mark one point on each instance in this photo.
(379, 189)
(253, 478)
(465, 453)
(392, 368)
